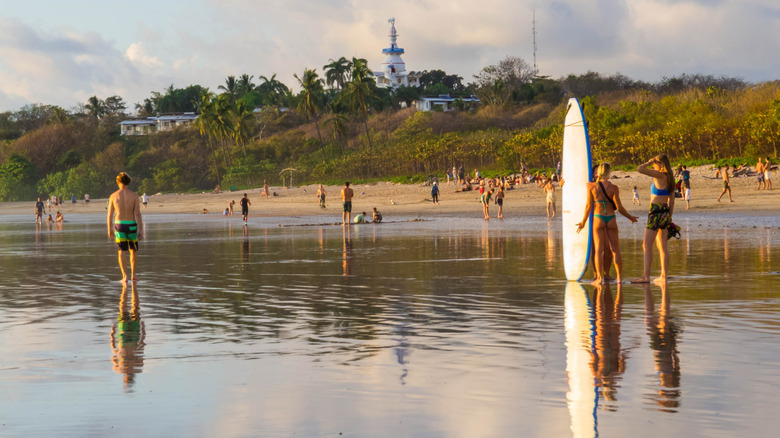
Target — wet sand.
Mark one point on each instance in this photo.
(414, 200)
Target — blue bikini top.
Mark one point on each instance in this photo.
(658, 192)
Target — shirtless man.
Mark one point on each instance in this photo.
(127, 228)
(760, 174)
(726, 186)
(346, 196)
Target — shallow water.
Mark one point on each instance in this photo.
(457, 328)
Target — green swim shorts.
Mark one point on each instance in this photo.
(126, 235)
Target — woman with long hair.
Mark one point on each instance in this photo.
(604, 201)
(660, 215)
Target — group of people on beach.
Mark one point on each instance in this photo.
(604, 201)
(346, 197)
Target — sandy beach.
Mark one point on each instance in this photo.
(414, 200)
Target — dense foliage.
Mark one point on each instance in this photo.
(341, 126)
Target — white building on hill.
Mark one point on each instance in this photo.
(156, 124)
(393, 73)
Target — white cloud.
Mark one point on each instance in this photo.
(137, 54)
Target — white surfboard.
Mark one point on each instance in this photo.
(576, 173)
(583, 395)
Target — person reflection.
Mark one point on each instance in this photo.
(245, 247)
(128, 336)
(608, 359)
(347, 252)
(663, 331)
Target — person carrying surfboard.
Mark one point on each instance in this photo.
(660, 215)
(604, 200)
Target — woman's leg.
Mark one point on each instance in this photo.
(599, 241)
(613, 237)
(647, 249)
(661, 241)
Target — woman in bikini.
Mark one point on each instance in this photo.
(604, 201)
(660, 215)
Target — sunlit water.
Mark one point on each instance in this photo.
(442, 328)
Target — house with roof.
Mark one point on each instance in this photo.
(446, 103)
(151, 125)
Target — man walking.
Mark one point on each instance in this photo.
(346, 196)
(127, 226)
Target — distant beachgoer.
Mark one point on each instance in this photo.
(377, 216)
(346, 196)
(461, 175)
(686, 177)
(449, 177)
(500, 201)
(767, 176)
(635, 199)
(660, 215)
(760, 174)
(127, 228)
(49, 219)
(86, 198)
(726, 186)
(226, 212)
(435, 193)
(266, 192)
(360, 218)
(485, 200)
(549, 189)
(230, 207)
(73, 198)
(321, 196)
(59, 217)
(145, 199)
(38, 211)
(687, 197)
(244, 202)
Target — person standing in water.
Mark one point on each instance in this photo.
(660, 215)
(549, 189)
(127, 226)
(500, 201)
(245, 207)
(604, 201)
(39, 211)
(485, 200)
(346, 196)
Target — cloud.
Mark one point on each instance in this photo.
(644, 39)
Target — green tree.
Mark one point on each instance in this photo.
(336, 72)
(17, 178)
(360, 89)
(230, 88)
(311, 99)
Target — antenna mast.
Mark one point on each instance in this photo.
(533, 28)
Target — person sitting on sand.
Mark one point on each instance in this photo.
(360, 218)
(604, 201)
(59, 217)
(377, 216)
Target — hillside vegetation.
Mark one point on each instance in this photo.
(355, 131)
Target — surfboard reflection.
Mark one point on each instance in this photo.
(128, 336)
(595, 359)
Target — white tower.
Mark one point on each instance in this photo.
(394, 73)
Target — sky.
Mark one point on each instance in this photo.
(62, 52)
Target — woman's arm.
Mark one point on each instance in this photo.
(588, 208)
(620, 208)
(644, 169)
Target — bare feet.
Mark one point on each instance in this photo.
(641, 280)
(597, 281)
(660, 280)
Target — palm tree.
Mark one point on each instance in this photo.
(96, 107)
(311, 98)
(230, 87)
(245, 85)
(360, 89)
(336, 72)
(58, 116)
(205, 121)
(242, 119)
(272, 90)
(338, 119)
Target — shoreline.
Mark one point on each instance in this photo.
(397, 200)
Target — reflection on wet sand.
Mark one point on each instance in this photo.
(582, 397)
(595, 360)
(663, 331)
(245, 247)
(346, 256)
(128, 338)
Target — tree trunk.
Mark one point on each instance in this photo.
(368, 136)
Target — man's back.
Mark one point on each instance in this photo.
(125, 202)
(346, 194)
